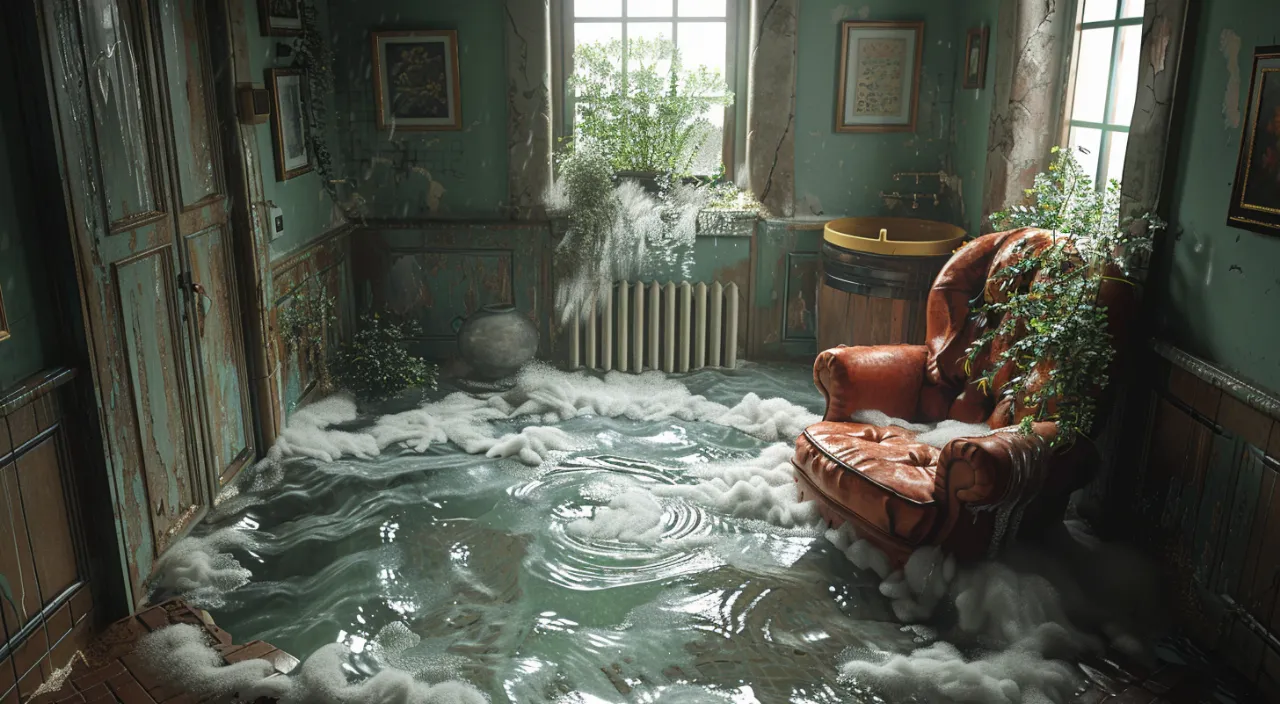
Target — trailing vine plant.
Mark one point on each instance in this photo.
(1061, 350)
(304, 327)
(314, 54)
(376, 365)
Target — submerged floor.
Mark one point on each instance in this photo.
(457, 566)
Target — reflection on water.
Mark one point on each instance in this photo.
(451, 565)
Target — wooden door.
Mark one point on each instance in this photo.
(123, 218)
(204, 234)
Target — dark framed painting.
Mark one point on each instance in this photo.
(280, 18)
(1255, 195)
(415, 77)
(4, 323)
(879, 76)
(975, 58)
(289, 130)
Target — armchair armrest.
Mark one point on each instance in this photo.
(884, 378)
(986, 472)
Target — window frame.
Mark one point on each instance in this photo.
(1117, 25)
(733, 148)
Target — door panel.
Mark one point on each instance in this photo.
(185, 60)
(222, 351)
(150, 329)
(214, 313)
(117, 94)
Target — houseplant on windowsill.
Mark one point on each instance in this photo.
(1054, 295)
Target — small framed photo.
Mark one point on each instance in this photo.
(975, 59)
(1255, 195)
(280, 18)
(879, 76)
(415, 78)
(289, 129)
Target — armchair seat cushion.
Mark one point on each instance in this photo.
(880, 474)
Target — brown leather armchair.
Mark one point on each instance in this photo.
(972, 495)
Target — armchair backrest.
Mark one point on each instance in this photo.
(952, 328)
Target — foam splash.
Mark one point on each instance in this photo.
(761, 488)
(203, 570)
(633, 516)
(932, 434)
(183, 653)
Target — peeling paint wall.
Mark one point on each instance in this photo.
(440, 174)
(840, 174)
(308, 210)
(972, 116)
(1218, 287)
(23, 285)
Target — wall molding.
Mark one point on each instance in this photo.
(1243, 390)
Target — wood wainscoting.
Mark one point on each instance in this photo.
(1205, 499)
(323, 265)
(42, 551)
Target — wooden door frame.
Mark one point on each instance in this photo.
(229, 29)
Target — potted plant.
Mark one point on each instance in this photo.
(649, 121)
(1061, 349)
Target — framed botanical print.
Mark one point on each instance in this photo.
(415, 78)
(280, 18)
(879, 76)
(1255, 195)
(289, 129)
(975, 58)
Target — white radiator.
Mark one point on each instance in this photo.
(672, 327)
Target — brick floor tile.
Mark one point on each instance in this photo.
(251, 651)
(128, 691)
(98, 694)
(98, 675)
(154, 618)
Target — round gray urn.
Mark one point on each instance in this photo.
(496, 340)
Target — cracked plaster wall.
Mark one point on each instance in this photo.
(1218, 287)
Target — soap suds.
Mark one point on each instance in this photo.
(202, 570)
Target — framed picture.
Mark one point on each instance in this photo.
(289, 128)
(975, 58)
(415, 79)
(4, 323)
(280, 18)
(1255, 195)
(879, 76)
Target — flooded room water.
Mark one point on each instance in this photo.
(452, 565)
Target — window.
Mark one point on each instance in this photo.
(703, 31)
(1105, 83)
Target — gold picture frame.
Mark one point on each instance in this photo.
(879, 90)
(290, 132)
(4, 321)
(1255, 192)
(416, 81)
(975, 59)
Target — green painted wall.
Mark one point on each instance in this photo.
(841, 174)
(439, 174)
(308, 210)
(1219, 289)
(23, 284)
(971, 117)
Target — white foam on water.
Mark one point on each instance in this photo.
(634, 516)
(202, 570)
(308, 433)
(183, 654)
(761, 488)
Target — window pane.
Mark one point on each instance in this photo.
(1131, 8)
(1115, 157)
(1099, 10)
(1126, 88)
(1085, 145)
(703, 44)
(650, 8)
(590, 33)
(709, 151)
(1091, 75)
(597, 8)
(702, 8)
(651, 31)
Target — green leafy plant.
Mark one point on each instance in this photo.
(650, 118)
(304, 327)
(1055, 328)
(375, 365)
